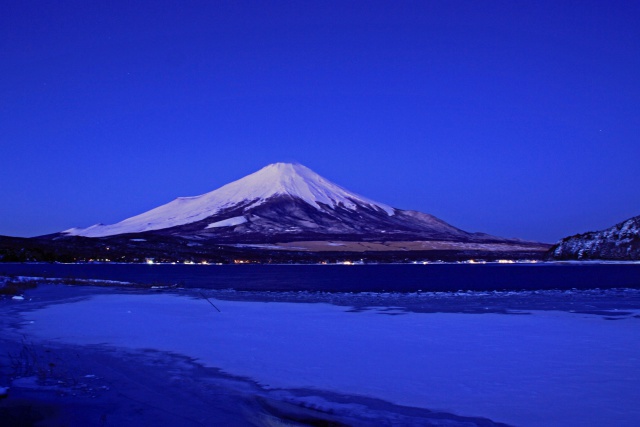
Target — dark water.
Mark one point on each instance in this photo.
(353, 278)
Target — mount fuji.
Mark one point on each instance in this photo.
(283, 203)
(279, 198)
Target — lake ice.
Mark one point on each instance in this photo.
(535, 368)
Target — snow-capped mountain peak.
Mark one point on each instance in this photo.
(279, 179)
(285, 203)
(296, 180)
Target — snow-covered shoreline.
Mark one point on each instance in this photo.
(534, 368)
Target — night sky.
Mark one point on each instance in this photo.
(515, 118)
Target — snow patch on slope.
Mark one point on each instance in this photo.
(277, 179)
(236, 220)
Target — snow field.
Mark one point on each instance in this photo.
(537, 369)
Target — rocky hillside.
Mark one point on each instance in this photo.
(620, 242)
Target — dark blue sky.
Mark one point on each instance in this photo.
(515, 118)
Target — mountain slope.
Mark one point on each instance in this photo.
(282, 203)
(271, 182)
(620, 242)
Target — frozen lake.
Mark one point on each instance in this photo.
(501, 345)
(519, 367)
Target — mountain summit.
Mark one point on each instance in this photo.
(284, 202)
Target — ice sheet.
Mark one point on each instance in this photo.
(537, 369)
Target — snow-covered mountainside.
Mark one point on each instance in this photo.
(620, 242)
(283, 202)
(271, 182)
